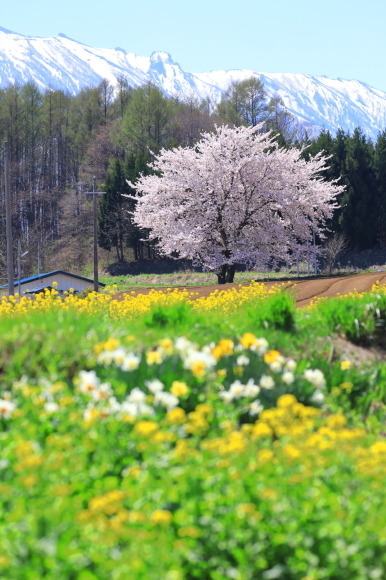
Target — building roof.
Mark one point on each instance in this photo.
(40, 276)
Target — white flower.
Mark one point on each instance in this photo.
(136, 396)
(102, 392)
(105, 357)
(20, 384)
(250, 389)
(290, 365)
(255, 408)
(267, 382)
(275, 366)
(260, 346)
(114, 404)
(192, 357)
(315, 377)
(130, 362)
(237, 390)
(155, 386)
(129, 409)
(227, 396)
(118, 355)
(288, 378)
(51, 407)
(238, 348)
(90, 413)
(6, 408)
(88, 381)
(317, 397)
(242, 360)
(182, 344)
(209, 347)
(144, 409)
(166, 400)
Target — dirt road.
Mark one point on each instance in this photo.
(305, 289)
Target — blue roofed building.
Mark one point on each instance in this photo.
(65, 281)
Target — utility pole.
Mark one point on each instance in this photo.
(19, 257)
(94, 202)
(8, 220)
(18, 263)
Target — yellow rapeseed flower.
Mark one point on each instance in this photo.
(179, 389)
(261, 430)
(345, 365)
(337, 421)
(246, 508)
(198, 368)
(204, 408)
(378, 447)
(190, 532)
(286, 401)
(176, 416)
(247, 340)
(146, 428)
(271, 356)
(161, 517)
(153, 357)
(265, 455)
(291, 451)
(167, 345)
(268, 493)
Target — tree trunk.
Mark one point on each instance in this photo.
(230, 273)
(221, 274)
(226, 274)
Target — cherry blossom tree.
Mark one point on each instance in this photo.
(234, 198)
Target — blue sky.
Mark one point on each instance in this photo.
(336, 38)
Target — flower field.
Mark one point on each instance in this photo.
(168, 439)
(133, 305)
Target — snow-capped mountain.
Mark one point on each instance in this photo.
(62, 63)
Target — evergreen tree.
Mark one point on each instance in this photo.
(380, 173)
(335, 149)
(136, 165)
(359, 217)
(113, 219)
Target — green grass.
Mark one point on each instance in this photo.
(126, 283)
(110, 499)
(59, 345)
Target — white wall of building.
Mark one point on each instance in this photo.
(64, 283)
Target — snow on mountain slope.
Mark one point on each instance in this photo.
(63, 63)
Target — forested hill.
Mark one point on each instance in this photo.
(58, 142)
(62, 63)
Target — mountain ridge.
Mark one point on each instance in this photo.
(59, 62)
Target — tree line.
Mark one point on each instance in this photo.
(58, 142)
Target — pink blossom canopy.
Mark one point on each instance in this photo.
(236, 197)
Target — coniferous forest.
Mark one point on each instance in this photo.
(58, 142)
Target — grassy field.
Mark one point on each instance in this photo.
(124, 283)
(235, 437)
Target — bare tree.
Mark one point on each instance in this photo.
(335, 246)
